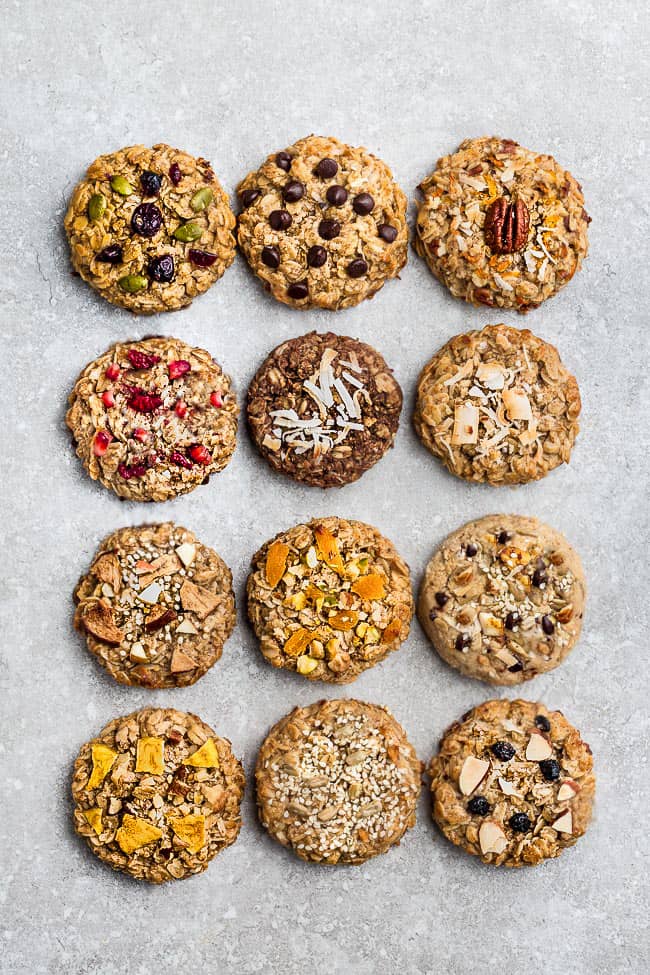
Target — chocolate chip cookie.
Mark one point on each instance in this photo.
(329, 599)
(337, 782)
(503, 599)
(500, 225)
(157, 794)
(322, 224)
(324, 408)
(498, 405)
(512, 783)
(153, 419)
(149, 229)
(156, 606)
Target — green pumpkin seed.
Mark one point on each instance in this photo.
(132, 283)
(96, 207)
(121, 186)
(187, 232)
(201, 199)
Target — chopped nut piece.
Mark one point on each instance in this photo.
(564, 823)
(138, 653)
(306, 664)
(98, 619)
(198, 599)
(135, 833)
(466, 419)
(186, 553)
(568, 790)
(490, 625)
(190, 829)
(94, 817)
(103, 758)
(512, 556)
(206, 756)
(150, 594)
(181, 661)
(150, 756)
(538, 748)
(492, 838)
(472, 774)
(506, 787)
(187, 627)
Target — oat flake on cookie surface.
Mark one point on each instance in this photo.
(500, 225)
(503, 598)
(153, 419)
(322, 224)
(324, 408)
(149, 229)
(512, 783)
(157, 794)
(156, 606)
(498, 405)
(329, 599)
(337, 782)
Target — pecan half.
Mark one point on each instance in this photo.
(506, 226)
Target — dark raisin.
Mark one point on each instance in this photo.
(161, 268)
(539, 577)
(150, 182)
(283, 160)
(111, 254)
(271, 257)
(550, 769)
(146, 220)
(248, 197)
(175, 174)
(503, 750)
(470, 550)
(520, 823)
(548, 625)
(201, 258)
(512, 619)
(293, 191)
(329, 229)
(462, 641)
(442, 599)
(503, 537)
(362, 204)
(298, 291)
(280, 219)
(542, 722)
(478, 806)
(336, 195)
(327, 168)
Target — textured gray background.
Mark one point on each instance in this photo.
(233, 81)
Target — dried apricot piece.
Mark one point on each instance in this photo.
(347, 619)
(392, 631)
(190, 829)
(298, 641)
(276, 562)
(329, 550)
(103, 758)
(370, 586)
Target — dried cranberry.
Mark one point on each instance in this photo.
(178, 368)
(111, 254)
(141, 434)
(180, 459)
(135, 470)
(175, 174)
(150, 182)
(161, 268)
(144, 402)
(202, 258)
(146, 220)
(141, 360)
(200, 454)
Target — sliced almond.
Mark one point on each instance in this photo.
(181, 662)
(538, 748)
(564, 823)
(507, 788)
(198, 599)
(472, 774)
(517, 404)
(492, 838)
(568, 790)
(491, 375)
(98, 619)
(107, 569)
(186, 553)
(138, 653)
(465, 424)
(187, 627)
(506, 657)
(150, 594)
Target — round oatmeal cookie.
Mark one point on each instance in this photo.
(157, 794)
(512, 783)
(500, 225)
(156, 606)
(498, 405)
(153, 419)
(150, 229)
(329, 599)
(503, 599)
(323, 224)
(324, 409)
(337, 782)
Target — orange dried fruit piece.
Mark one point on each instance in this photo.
(392, 631)
(347, 619)
(97, 618)
(298, 641)
(149, 756)
(276, 562)
(190, 829)
(135, 833)
(94, 818)
(206, 756)
(328, 549)
(103, 758)
(370, 586)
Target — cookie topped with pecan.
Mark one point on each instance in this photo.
(157, 794)
(324, 408)
(500, 225)
(149, 229)
(503, 599)
(156, 606)
(322, 224)
(329, 599)
(153, 419)
(498, 405)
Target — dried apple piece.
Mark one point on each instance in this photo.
(206, 756)
(181, 662)
(135, 833)
(328, 549)
(198, 599)
(97, 618)
(103, 758)
(370, 586)
(190, 829)
(276, 562)
(107, 569)
(150, 756)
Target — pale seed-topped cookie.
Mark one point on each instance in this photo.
(322, 224)
(329, 599)
(156, 606)
(153, 419)
(149, 229)
(503, 599)
(157, 794)
(500, 225)
(513, 783)
(337, 782)
(498, 405)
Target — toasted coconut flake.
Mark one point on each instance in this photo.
(466, 419)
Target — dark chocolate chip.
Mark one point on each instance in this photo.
(248, 197)
(357, 268)
(271, 257)
(542, 722)
(299, 290)
(327, 168)
(516, 667)
(462, 641)
(280, 219)
(470, 550)
(548, 625)
(387, 232)
(442, 599)
(336, 195)
(329, 229)
(539, 577)
(503, 537)
(293, 191)
(511, 620)
(283, 160)
(316, 256)
(363, 204)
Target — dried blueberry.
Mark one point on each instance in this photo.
(520, 823)
(146, 220)
(542, 722)
(550, 769)
(161, 268)
(111, 254)
(503, 750)
(478, 806)
(150, 182)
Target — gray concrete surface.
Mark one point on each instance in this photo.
(233, 81)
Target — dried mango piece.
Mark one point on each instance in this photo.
(135, 833)
(392, 631)
(276, 562)
(94, 818)
(190, 829)
(329, 550)
(103, 758)
(298, 641)
(370, 586)
(149, 756)
(347, 619)
(207, 756)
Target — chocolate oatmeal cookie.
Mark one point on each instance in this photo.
(498, 405)
(153, 419)
(149, 229)
(500, 225)
(324, 408)
(156, 606)
(329, 599)
(322, 224)
(513, 783)
(157, 794)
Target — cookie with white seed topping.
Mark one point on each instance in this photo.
(324, 408)
(337, 782)
(156, 606)
(512, 783)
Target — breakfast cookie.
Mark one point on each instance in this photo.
(337, 782)
(503, 599)
(153, 419)
(322, 224)
(498, 406)
(156, 606)
(324, 409)
(150, 229)
(500, 225)
(329, 599)
(512, 783)
(157, 794)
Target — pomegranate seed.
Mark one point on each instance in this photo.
(216, 399)
(101, 442)
(107, 398)
(200, 454)
(144, 402)
(141, 360)
(178, 368)
(177, 458)
(181, 408)
(140, 434)
(135, 470)
(113, 371)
